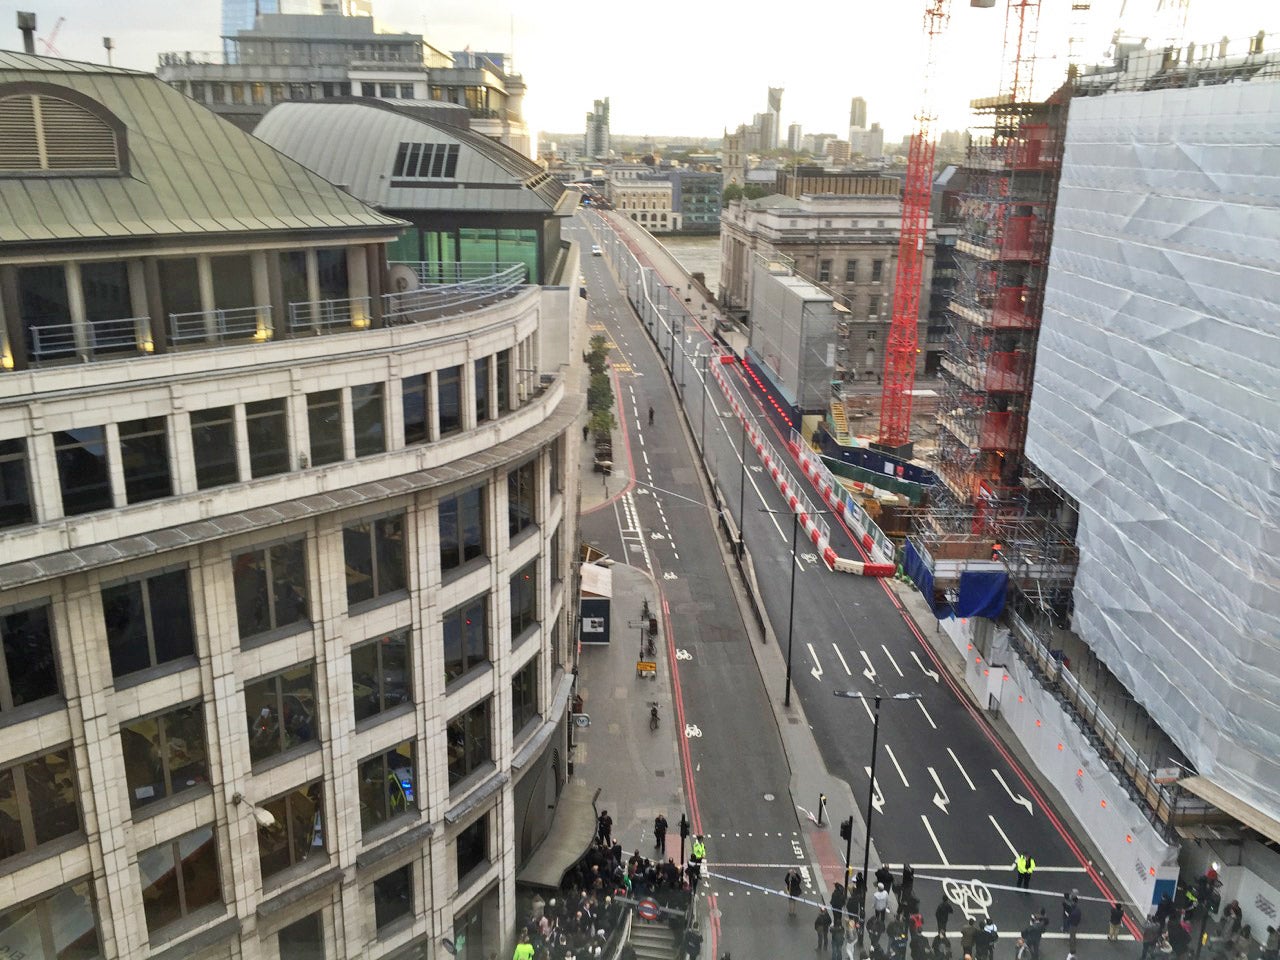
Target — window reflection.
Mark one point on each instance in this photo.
(387, 786)
(466, 638)
(298, 832)
(63, 919)
(370, 420)
(271, 587)
(524, 695)
(468, 742)
(281, 710)
(473, 847)
(449, 399)
(148, 622)
(28, 673)
(392, 897)
(164, 755)
(380, 675)
(521, 499)
(462, 528)
(179, 877)
(37, 803)
(82, 469)
(524, 599)
(213, 440)
(374, 553)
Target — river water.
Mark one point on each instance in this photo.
(700, 254)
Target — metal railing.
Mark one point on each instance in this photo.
(220, 325)
(433, 301)
(58, 341)
(432, 272)
(328, 316)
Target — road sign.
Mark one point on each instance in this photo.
(648, 909)
(646, 668)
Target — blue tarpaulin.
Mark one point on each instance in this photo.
(913, 566)
(982, 594)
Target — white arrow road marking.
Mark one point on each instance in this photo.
(891, 660)
(1016, 798)
(877, 798)
(817, 667)
(961, 768)
(927, 672)
(870, 672)
(1012, 848)
(932, 836)
(920, 704)
(889, 750)
(842, 662)
(940, 799)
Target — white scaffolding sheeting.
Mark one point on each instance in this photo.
(1157, 405)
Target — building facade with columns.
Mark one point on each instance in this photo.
(285, 553)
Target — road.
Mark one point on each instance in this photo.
(949, 798)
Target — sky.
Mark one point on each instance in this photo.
(681, 68)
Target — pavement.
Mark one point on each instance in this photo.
(747, 768)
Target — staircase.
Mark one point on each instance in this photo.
(839, 423)
(653, 940)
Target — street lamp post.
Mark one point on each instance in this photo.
(871, 791)
(791, 610)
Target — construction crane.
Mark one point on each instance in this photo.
(917, 192)
(49, 48)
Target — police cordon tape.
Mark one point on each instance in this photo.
(814, 528)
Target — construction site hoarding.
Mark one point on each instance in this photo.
(793, 332)
(1156, 405)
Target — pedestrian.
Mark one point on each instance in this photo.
(880, 902)
(1151, 931)
(1179, 933)
(692, 944)
(1073, 923)
(791, 884)
(943, 915)
(586, 431)
(968, 936)
(986, 940)
(1024, 866)
(1069, 901)
(1114, 921)
(1231, 919)
(838, 898)
(659, 832)
(1031, 935)
(651, 415)
(908, 881)
(1271, 949)
(822, 924)
(604, 827)
(885, 876)
(941, 948)
(1165, 907)
(837, 939)
(698, 852)
(524, 949)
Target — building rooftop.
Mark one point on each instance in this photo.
(133, 157)
(359, 145)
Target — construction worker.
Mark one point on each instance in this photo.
(699, 850)
(1025, 865)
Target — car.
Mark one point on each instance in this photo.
(596, 251)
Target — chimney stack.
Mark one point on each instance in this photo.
(27, 24)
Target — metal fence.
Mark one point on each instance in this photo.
(882, 548)
(431, 272)
(437, 300)
(58, 341)
(221, 325)
(327, 316)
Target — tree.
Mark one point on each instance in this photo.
(599, 393)
(602, 424)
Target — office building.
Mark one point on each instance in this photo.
(794, 137)
(288, 57)
(286, 539)
(595, 143)
(239, 15)
(868, 144)
(793, 334)
(696, 196)
(771, 121)
(858, 113)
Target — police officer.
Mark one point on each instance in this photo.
(1025, 865)
(699, 851)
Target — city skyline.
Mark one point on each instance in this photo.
(708, 93)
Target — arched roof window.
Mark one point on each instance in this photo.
(46, 130)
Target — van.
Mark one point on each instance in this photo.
(596, 251)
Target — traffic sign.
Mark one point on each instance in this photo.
(648, 909)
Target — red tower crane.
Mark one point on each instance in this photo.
(917, 192)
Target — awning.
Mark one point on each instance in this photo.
(1233, 806)
(573, 827)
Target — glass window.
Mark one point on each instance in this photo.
(462, 528)
(466, 637)
(468, 742)
(29, 673)
(60, 925)
(387, 90)
(105, 285)
(555, 555)
(331, 270)
(406, 91)
(232, 276)
(504, 382)
(217, 93)
(524, 695)
(82, 469)
(324, 424)
(271, 587)
(303, 939)
(237, 93)
(873, 305)
(45, 311)
(449, 397)
(482, 389)
(524, 599)
(824, 271)
(368, 89)
(180, 286)
(213, 438)
(258, 93)
(387, 786)
(374, 553)
(417, 413)
(370, 420)
(179, 877)
(268, 439)
(873, 336)
(282, 712)
(164, 755)
(380, 675)
(521, 499)
(293, 276)
(298, 832)
(144, 453)
(392, 897)
(850, 271)
(37, 803)
(473, 847)
(877, 271)
(148, 622)
(557, 465)
(15, 486)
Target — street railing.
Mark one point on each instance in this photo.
(58, 341)
(433, 272)
(329, 316)
(221, 325)
(439, 300)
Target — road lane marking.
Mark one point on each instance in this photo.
(877, 798)
(961, 768)
(817, 667)
(1018, 798)
(889, 750)
(940, 799)
(932, 836)
(1003, 836)
(927, 673)
(920, 704)
(893, 661)
(870, 672)
(842, 662)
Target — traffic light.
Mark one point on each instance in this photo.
(684, 827)
(846, 828)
